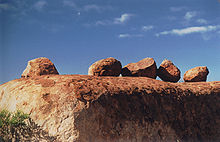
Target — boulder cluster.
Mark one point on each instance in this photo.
(146, 67)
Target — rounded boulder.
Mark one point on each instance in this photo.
(144, 68)
(39, 66)
(196, 74)
(168, 71)
(105, 67)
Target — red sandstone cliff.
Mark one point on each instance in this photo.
(117, 109)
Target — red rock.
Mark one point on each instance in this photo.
(84, 108)
(168, 71)
(196, 74)
(39, 66)
(105, 67)
(144, 68)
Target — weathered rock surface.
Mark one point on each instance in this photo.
(168, 71)
(117, 109)
(144, 68)
(196, 74)
(39, 66)
(105, 67)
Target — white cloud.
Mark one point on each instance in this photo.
(190, 30)
(124, 18)
(201, 21)
(190, 15)
(40, 5)
(129, 35)
(147, 28)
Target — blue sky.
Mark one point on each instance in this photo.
(76, 33)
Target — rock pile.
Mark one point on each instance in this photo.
(147, 68)
(112, 67)
(84, 108)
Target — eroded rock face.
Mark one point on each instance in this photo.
(196, 74)
(168, 71)
(144, 68)
(105, 67)
(117, 109)
(39, 66)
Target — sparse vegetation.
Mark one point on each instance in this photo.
(9, 122)
(18, 126)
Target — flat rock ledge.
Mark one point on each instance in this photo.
(86, 108)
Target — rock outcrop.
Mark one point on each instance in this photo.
(168, 71)
(144, 68)
(39, 66)
(115, 109)
(105, 67)
(196, 74)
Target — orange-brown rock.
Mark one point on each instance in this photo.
(39, 66)
(196, 74)
(144, 68)
(105, 67)
(168, 71)
(86, 108)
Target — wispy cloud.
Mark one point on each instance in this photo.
(201, 21)
(177, 9)
(129, 35)
(189, 15)
(147, 28)
(85, 8)
(95, 7)
(4, 6)
(40, 5)
(190, 30)
(103, 22)
(69, 3)
(124, 18)
(92, 7)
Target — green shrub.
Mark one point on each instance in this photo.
(19, 127)
(11, 121)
